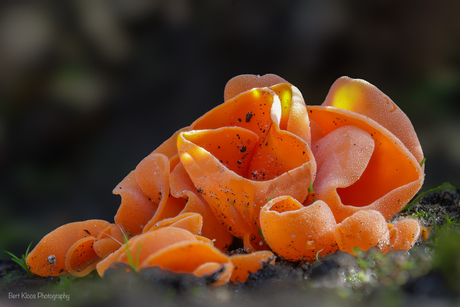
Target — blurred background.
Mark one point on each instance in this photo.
(88, 88)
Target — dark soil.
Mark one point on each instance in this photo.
(429, 274)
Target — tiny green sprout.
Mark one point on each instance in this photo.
(317, 255)
(65, 282)
(22, 262)
(271, 197)
(358, 252)
(261, 234)
(134, 263)
(310, 188)
(450, 222)
(422, 162)
(311, 193)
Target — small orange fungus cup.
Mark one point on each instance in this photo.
(404, 234)
(238, 154)
(364, 229)
(60, 250)
(297, 232)
(288, 179)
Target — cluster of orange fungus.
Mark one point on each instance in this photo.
(288, 179)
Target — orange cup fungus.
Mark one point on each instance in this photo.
(288, 179)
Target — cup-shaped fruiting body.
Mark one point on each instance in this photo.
(237, 156)
(159, 188)
(391, 176)
(245, 264)
(364, 229)
(267, 169)
(361, 168)
(142, 248)
(296, 232)
(403, 234)
(294, 116)
(51, 254)
(363, 98)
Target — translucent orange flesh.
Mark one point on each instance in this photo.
(48, 258)
(364, 229)
(388, 180)
(243, 83)
(81, 258)
(246, 264)
(296, 232)
(294, 117)
(363, 98)
(293, 111)
(108, 241)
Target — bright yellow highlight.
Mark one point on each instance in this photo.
(346, 96)
(256, 94)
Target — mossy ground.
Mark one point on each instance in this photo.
(428, 274)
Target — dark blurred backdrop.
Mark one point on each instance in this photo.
(90, 87)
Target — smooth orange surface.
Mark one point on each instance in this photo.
(145, 244)
(136, 209)
(245, 264)
(57, 243)
(293, 111)
(294, 117)
(155, 240)
(189, 256)
(297, 232)
(347, 180)
(191, 221)
(182, 187)
(363, 98)
(235, 200)
(364, 229)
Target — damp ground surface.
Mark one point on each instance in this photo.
(429, 274)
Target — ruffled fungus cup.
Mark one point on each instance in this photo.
(290, 180)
